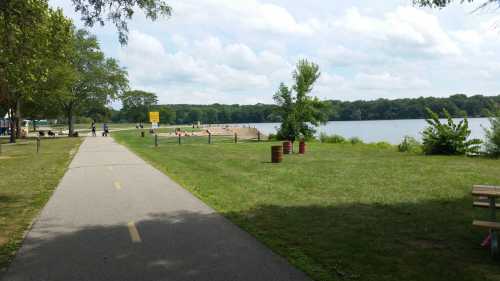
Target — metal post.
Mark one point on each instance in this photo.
(258, 135)
(37, 144)
(156, 140)
(209, 138)
(235, 138)
(493, 232)
(179, 138)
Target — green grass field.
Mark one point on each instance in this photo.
(342, 212)
(27, 180)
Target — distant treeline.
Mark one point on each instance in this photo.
(381, 109)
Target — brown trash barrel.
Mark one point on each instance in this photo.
(287, 147)
(276, 154)
(302, 147)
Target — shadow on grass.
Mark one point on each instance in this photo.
(430, 240)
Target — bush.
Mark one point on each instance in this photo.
(356, 140)
(331, 139)
(492, 144)
(272, 137)
(383, 145)
(448, 138)
(409, 144)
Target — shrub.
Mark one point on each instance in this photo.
(492, 144)
(331, 139)
(448, 138)
(383, 144)
(272, 137)
(409, 144)
(356, 140)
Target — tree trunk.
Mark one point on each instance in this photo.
(69, 113)
(18, 118)
(12, 127)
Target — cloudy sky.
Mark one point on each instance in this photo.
(229, 51)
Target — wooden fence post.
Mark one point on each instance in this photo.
(209, 138)
(179, 138)
(37, 144)
(235, 138)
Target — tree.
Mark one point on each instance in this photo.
(136, 105)
(31, 36)
(444, 3)
(118, 12)
(298, 111)
(167, 115)
(97, 81)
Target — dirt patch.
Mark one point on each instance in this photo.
(5, 157)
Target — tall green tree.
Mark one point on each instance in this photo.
(98, 80)
(136, 105)
(31, 40)
(300, 112)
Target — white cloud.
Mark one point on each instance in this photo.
(239, 51)
(388, 82)
(407, 30)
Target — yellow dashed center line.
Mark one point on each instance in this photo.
(118, 185)
(134, 233)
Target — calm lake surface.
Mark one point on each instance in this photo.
(380, 130)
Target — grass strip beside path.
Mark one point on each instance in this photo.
(342, 212)
(27, 180)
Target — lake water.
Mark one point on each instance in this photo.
(391, 131)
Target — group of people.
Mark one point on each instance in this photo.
(4, 127)
(105, 129)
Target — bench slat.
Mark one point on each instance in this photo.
(486, 190)
(487, 224)
(485, 205)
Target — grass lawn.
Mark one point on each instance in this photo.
(342, 212)
(26, 183)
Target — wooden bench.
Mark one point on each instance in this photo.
(487, 199)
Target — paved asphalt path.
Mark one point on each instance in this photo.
(116, 218)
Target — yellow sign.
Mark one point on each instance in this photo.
(154, 117)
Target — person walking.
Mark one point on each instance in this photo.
(105, 130)
(93, 129)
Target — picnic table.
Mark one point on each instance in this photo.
(486, 198)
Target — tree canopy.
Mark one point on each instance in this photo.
(298, 112)
(136, 105)
(119, 12)
(444, 3)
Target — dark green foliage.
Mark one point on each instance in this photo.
(492, 143)
(409, 144)
(331, 138)
(382, 109)
(448, 138)
(137, 104)
(356, 140)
